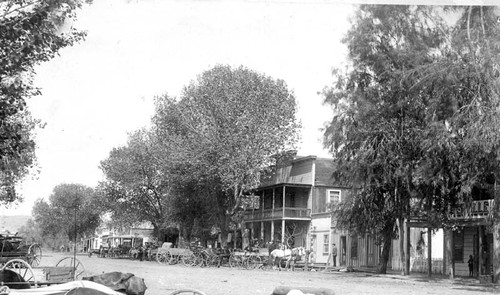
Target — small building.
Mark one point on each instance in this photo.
(134, 236)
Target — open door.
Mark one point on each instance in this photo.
(343, 251)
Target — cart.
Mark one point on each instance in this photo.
(176, 255)
(67, 269)
(247, 260)
(15, 247)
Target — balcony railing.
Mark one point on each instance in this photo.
(289, 212)
(478, 209)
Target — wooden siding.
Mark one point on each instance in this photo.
(365, 250)
(301, 172)
(461, 267)
(297, 172)
(319, 198)
(395, 260)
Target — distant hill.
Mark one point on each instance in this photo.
(12, 223)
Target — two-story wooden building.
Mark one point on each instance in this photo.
(294, 202)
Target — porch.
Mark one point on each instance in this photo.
(278, 213)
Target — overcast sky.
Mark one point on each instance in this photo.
(97, 91)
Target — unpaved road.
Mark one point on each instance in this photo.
(163, 279)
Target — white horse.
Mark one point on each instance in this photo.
(287, 255)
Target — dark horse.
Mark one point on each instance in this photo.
(13, 280)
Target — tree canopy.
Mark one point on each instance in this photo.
(206, 150)
(406, 132)
(136, 187)
(31, 32)
(228, 124)
(72, 209)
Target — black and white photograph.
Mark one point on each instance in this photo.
(267, 147)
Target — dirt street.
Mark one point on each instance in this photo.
(163, 279)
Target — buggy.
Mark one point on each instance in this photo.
(15, 247)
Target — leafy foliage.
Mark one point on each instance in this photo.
(30, 33)
(414, 130)
(137, 188)
(72, 209)
(223, 131)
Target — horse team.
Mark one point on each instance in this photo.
(289, 256)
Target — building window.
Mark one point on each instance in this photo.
(354, 247)
(333, 196)
(326, 244)
(458, 247)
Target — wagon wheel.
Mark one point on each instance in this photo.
(23, 269)
(189, 259)
(73, 262)
(161, 257)
(171, 258)
(199, 260)
(234, 261)
(254, 261)
(187, 292)
(34, 255)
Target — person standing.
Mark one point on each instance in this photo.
(334, 254)
(471, 265)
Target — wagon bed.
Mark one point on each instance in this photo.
(175, 255)
(66, 270)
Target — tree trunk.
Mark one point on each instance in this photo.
(386, 250)
(496, 236)
(450, 271)
(496, 251)
(223, 237)
(401, 229)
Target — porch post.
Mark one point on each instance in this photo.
(283, 218)
(272, 230)
(274, 192)
(481, 249)
(262, 230)
(252, 234)
(429, 251)
(283, 231)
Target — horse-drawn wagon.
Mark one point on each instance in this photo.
(18, 274)
(177, 255)
(15, 247)
(246, 259)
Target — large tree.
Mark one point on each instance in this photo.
(137, 185)
(224, 129)
(72, 210)
(30, 33)
(416, 128)
(374, 135)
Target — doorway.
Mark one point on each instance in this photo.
(343, 248)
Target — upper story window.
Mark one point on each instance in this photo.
(323, 198)
(333, 196)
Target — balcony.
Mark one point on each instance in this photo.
(278, 213)
(477, 210)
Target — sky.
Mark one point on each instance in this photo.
(97, 91)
